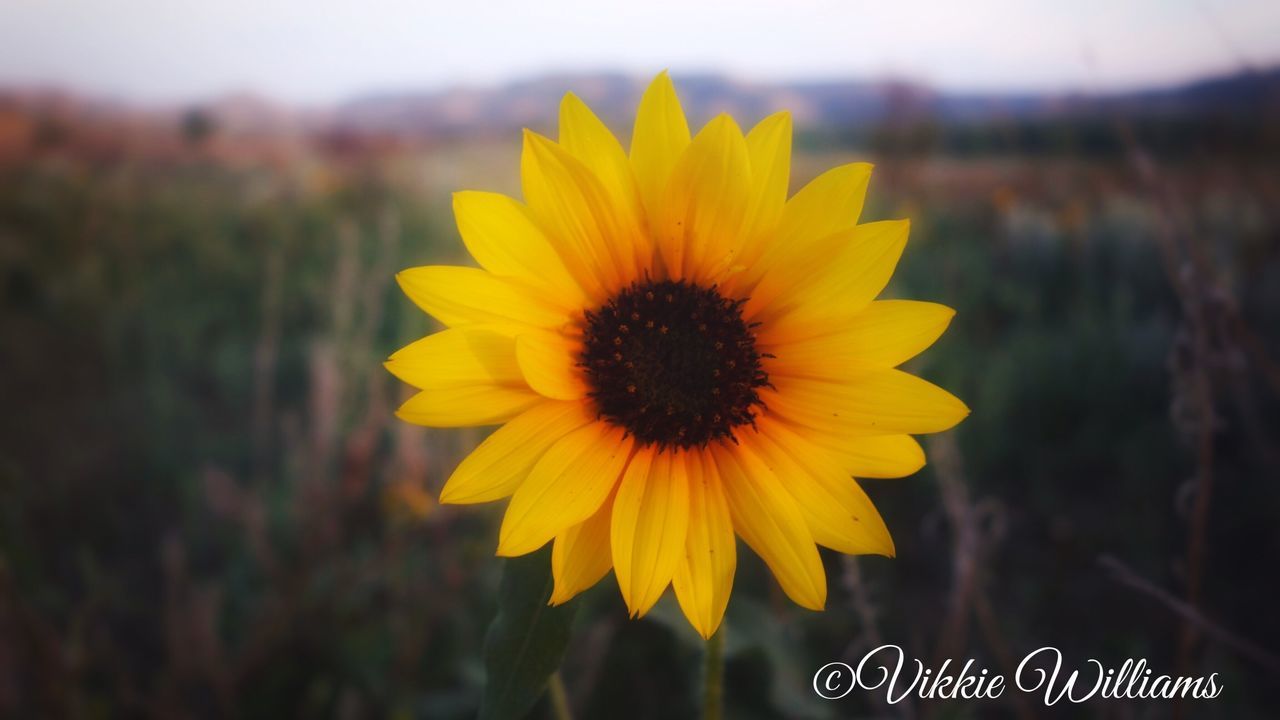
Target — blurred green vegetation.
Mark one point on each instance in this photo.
(209, 510)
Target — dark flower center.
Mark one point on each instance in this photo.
(672, 363)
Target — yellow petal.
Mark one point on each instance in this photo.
(586, 138)
(660, 136)
(888, 333)
(869, 402)
(878, 456)
(830, 203)
(699, 226)
(844, 273)
(837, 511)
(769, 149)
(462, 295)
(577, 214)
(766, 517)
(499, 464)
(502, 236)
(704, 577)
(457, 357)
(549, 363)
(580, 555)
(467, 405)
(650, 518)
(885, 334)
(566, 486)
(769, 145)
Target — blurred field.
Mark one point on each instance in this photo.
(209, 510)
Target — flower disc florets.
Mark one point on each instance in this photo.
(673, 363)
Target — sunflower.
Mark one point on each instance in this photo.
(677, 354)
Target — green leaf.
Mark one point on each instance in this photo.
(526, 640)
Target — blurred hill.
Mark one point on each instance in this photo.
(814, 104)
(1235, 109)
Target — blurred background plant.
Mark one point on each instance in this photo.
(210, 511)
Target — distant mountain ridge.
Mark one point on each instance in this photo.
(532, 103)
(1239, 112)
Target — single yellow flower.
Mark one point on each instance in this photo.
(676, 353)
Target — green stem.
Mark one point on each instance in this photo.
(559, 698)
(713, 677)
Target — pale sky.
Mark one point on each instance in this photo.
(318, 51)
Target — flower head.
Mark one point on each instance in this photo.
(676, 353)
